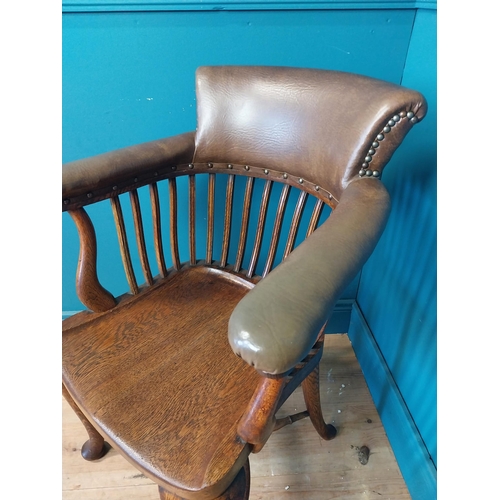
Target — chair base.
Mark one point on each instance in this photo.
(239, 489)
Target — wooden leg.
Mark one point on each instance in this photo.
(95, 447)
(239, 489)
(310, 387)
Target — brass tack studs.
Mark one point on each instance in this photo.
(89, 195)
(247, 168)
(330, 196)
(285, 176)
(229, 166)
(190, 165)
(173, 167)
(380, 137)
(266, 171)
(316, 188)
(210, 165)
(66, 201)
(301, 181)
(115, 188)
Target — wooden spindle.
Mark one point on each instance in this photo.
(123, 241)
(192, 221)
(227, 220)
(139, 235)
(260, 229)
(210, 218)
(276, 229)
(294, 226)
(92, 294)
(174, 243)
(244, 223)
(155, 208)
(313, 223)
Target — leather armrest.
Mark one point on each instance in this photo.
(108, 169)
(276, 324)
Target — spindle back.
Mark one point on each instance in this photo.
(311, 132)
(239, 218)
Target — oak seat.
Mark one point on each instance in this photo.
(192, 415)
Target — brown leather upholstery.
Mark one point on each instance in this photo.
(314, 124)
(120, 169)
(320, 126)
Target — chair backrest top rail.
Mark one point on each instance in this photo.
(138, 181)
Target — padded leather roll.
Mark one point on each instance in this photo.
(276, 324)
(103, 170)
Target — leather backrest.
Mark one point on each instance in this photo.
(315, 124)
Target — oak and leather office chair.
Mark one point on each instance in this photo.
(184, 373)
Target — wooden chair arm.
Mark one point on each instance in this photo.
(276, 324)
(93, 179)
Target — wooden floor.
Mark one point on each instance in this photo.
(295, 464)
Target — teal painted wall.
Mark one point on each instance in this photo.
(397, 290)
(128, 77)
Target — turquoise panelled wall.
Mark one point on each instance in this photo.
(128, 77)
(397, 290)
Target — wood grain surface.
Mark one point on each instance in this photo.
(295, 464)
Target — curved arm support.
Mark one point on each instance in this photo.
(94, 178)
(89, 290)
(276, 324)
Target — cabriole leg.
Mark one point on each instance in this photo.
(310, 387)
(95, 447)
